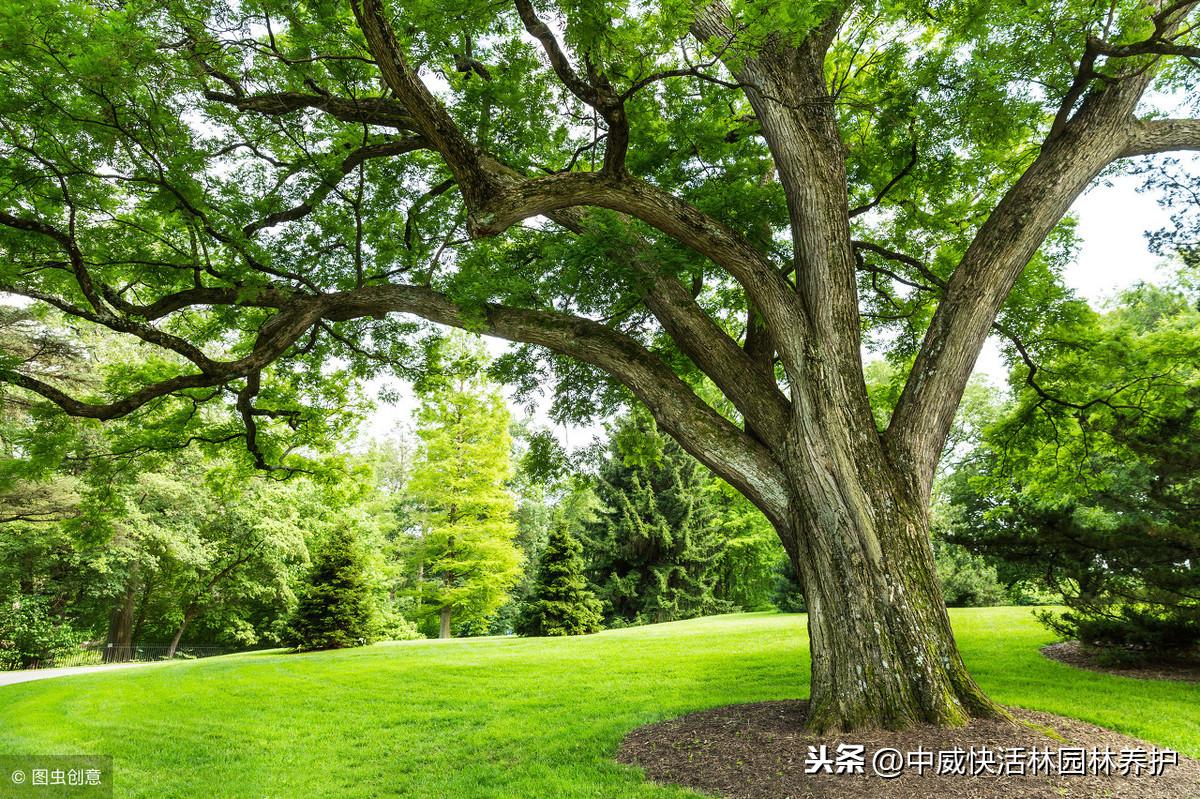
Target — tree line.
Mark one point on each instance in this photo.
(473, 523)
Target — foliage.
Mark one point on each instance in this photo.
(560, 602)
(789, 590)
(335, 609)
(462, 559)
(967, 580)
(30, 633)
(749, 548)
(185, 545)
(1089, 480)
(652, 544)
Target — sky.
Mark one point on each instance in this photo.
(1113, 218)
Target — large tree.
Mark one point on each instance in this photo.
(660, 196)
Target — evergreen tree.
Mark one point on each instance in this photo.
(789, 592)
(464, 557)
(652, 543)
(561, 602)
(335, 609)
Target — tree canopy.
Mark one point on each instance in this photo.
(708, 207)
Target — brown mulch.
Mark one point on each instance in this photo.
(1074, 654)
(760, 751)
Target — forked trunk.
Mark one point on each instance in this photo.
(883, 654)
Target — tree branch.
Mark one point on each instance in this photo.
(1096, 135)
(364, 110)
(1163, 135)
(731, 453)
(596, 91)
(330, 181)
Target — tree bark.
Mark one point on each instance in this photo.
(444, 630)
(883, 653)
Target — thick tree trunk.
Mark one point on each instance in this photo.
(444, 631)
(883, 654)
(119, 646)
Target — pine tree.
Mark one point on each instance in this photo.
(561, 602)
(652, 544)
(335, 609)
(464, 558)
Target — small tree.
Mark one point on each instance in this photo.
(335, 609)
(561, 602)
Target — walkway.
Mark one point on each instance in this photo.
(14, 677)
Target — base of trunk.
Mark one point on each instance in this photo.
(883, 653)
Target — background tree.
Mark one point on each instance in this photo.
(1098, 497)
(750, 553)
(258, 193)
(335, 609)
(560, 602)
(653, 543)
(463, 557)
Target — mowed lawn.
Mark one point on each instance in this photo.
(498, 717)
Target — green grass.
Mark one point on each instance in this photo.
(497, 717)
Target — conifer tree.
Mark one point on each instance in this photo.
(464, 557)
(335, 609)
(561, 602)
(652, 544)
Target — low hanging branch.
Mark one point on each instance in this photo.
(118, 214)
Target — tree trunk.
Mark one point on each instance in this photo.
(883, 654)
(188, 615)
(119, 646)
(444, 632)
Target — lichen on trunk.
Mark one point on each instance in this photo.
(883, 653)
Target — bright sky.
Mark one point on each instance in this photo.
(1113, 219)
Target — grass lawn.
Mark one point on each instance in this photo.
(498, 717)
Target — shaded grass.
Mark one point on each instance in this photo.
(499, 717)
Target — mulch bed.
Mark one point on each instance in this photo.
(760, 751)
(1074, 654)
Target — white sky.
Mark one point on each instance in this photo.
(1113, 219)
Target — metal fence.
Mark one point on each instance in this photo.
(101, 653)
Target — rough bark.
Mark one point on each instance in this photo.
(883, 653)
(849, 505)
